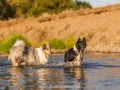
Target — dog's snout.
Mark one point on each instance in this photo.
(83, 48)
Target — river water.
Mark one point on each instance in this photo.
(99, 71)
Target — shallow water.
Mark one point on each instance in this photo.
(99, 71)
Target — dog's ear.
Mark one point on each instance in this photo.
(78, 41)
(44, 47)
(84, 41)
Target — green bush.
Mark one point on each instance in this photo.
(38, 7)
(57, 43)
(20, 7)
(82, 4)
(70, 42)
(51, 6)
(5, 10)
(7, 44)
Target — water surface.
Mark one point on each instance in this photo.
(99, 71)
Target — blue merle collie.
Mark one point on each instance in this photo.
(20, 54)
(74, 56)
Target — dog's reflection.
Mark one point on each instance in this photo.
(26, 78)
(76, 77)
(17, 78)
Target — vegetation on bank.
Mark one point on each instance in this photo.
(16, 8)
(5, 45)
(26, 8)
(55, 43)
(60, 44)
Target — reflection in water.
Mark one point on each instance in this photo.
(27, 78)
(75, 77)
(17, 78)
(98, 72)
(21, 78)
(103, 78)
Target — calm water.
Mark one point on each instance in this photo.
(99, 71)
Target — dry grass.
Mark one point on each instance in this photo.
(100, 26)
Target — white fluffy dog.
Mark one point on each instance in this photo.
(24, 55)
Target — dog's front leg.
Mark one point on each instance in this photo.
(81, 55)
(16, 63)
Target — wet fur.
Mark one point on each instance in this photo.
(24, 55)
(74, 55)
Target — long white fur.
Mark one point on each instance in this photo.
(13, 54)
(42, 57)
(19, 42)
(75, 49)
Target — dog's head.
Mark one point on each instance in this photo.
(81, 44)
(46, 49)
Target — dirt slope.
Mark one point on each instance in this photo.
(100, 26)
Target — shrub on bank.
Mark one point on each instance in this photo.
(70, 42)
(7, 44)
(17, 8)
(57, 43)
(60, 44)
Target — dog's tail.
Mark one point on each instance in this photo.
(16, 51)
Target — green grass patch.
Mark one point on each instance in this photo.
(5, 45)
(60, 44)
(69, 43)
(57, 43)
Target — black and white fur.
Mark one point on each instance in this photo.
(24, 55)
(74, 56)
